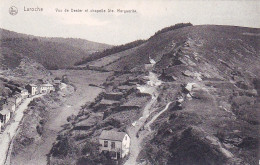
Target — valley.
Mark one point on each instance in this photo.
(72, 98)
(187, 95)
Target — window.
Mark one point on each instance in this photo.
(113, 145)
(125, 137)
(105, 143)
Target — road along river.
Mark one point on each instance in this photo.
(7, 136)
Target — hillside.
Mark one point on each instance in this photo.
(204, 109)
(111, 51)
(119, 51)
(52, 53)
(28, 71)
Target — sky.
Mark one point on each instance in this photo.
(118, 28)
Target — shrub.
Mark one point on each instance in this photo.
(174, 27)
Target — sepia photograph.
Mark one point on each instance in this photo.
(130, 82)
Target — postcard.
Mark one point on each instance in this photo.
(132, 82)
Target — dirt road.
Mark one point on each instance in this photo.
(10, 131)
(36, 154)
(133, 131)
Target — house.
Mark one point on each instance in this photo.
(46, 88)
(116, 144)
(10, 106)
(24, 93)
(32, 89)
(57, 81)
(16, 99)
(5, 115)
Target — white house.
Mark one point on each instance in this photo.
(18, 99)
(24, 93)
(46, 88)
(32, 89)
(5, 115)
(116, 144)
(11, 106)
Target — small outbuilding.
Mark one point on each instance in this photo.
(18, 99)
(115, 144)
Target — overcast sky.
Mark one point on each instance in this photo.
(118, 28)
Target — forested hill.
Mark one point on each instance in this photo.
(52, 53)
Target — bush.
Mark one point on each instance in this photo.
(174, 27)
(61, 148)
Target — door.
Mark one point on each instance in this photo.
(118, 155)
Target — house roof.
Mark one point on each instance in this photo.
(20, 88)
(33, 85)
(9, 103)
(17, 95)
(24, 91)
(47, 85)
(112, 135)
(4, 111)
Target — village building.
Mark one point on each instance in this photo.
(24, 93)
(32, 89)
(16, 99)
(10, 106)
(46, 88)
(116, 144)
(5, 115)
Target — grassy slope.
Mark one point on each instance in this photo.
(218, 42)
(51, 52)
(111, 51)
(217, 126)
(223, 118)
(227, 58)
